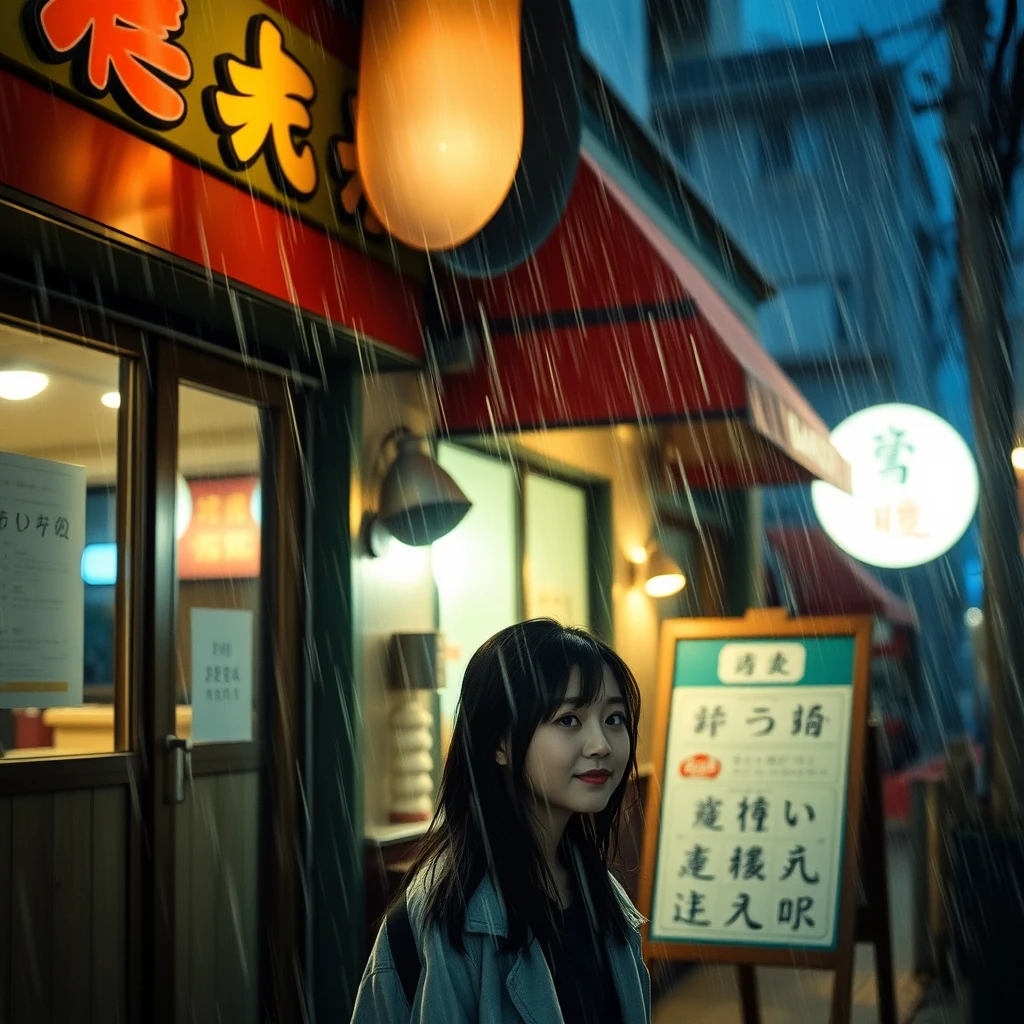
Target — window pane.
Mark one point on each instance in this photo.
(556, 570)
(476, 567)
(218, 513)
(58, 541)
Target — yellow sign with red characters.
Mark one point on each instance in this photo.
(230, 84)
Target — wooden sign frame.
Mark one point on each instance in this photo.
(767, 624)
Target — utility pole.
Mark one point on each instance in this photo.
(981, 189)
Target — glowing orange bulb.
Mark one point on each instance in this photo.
(439, 130)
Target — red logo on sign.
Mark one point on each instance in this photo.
(700, 766)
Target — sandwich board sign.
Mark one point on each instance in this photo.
(752, 827)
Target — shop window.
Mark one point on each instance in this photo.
(488, 576)
(556, 567)
(789, 146)
(59, 641)
(476, 567)
(218, 520)
(679, 29)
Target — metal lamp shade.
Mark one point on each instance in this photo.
(419, 501)
(552, 132)
(662, 576)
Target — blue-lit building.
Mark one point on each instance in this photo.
(809, 157)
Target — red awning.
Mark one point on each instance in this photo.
(610, 322)
(825, 581)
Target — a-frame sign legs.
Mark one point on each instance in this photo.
(747, 981)
(873, 924)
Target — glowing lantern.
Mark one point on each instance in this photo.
(439, 129)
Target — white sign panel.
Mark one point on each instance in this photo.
(915, 487)
(751, 839)
(222, 657)
(42, 601)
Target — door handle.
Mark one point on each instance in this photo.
(179, 766)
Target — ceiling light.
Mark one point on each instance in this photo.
(112, 400)
(17, 385)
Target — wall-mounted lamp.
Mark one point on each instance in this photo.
(659, 574)
(439, 128)
(419, 502)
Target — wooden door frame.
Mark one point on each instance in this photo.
(277, 749)
(62, 320)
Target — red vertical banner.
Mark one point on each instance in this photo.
(223, 536)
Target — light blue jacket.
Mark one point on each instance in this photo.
(485, 986)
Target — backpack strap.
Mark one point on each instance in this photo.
(403, 948)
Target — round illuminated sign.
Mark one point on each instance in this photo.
(915, 487)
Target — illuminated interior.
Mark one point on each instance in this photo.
(74, 419)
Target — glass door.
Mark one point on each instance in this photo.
(227, 700)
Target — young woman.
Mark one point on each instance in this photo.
(513, 912)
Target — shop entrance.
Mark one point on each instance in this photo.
(150, 838)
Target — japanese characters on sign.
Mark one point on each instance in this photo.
(232, 85)
(750, 845)
(222, 657)
(915, 487)
(42, 602)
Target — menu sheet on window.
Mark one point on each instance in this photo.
(222, 657)
(42, 601)
(753, 813)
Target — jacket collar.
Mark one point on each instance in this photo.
(529, 982)
(485, 912)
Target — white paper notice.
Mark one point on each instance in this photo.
(42, 601)
(221, 675)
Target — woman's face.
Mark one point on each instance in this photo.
(577, 758)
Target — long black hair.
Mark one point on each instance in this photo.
(517, 680)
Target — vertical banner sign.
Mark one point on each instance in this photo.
(750, 850)
(221, 675)
(42, 601)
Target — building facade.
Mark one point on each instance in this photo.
(809, 156)
(221, 346)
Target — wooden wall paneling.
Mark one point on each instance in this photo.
(232, 964)
(71, 969)
(5, 909)
(184, 815)
(110, 809)
(204, 868)
(249, 907)
(31, 903)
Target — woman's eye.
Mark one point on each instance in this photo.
(566, 720)
(617, 719)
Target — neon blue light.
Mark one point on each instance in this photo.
(99, 565)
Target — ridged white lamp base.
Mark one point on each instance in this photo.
(411, 786)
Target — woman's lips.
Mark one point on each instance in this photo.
(597, 778)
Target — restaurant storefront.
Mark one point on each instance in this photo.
(228, 341)
(197, 302)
